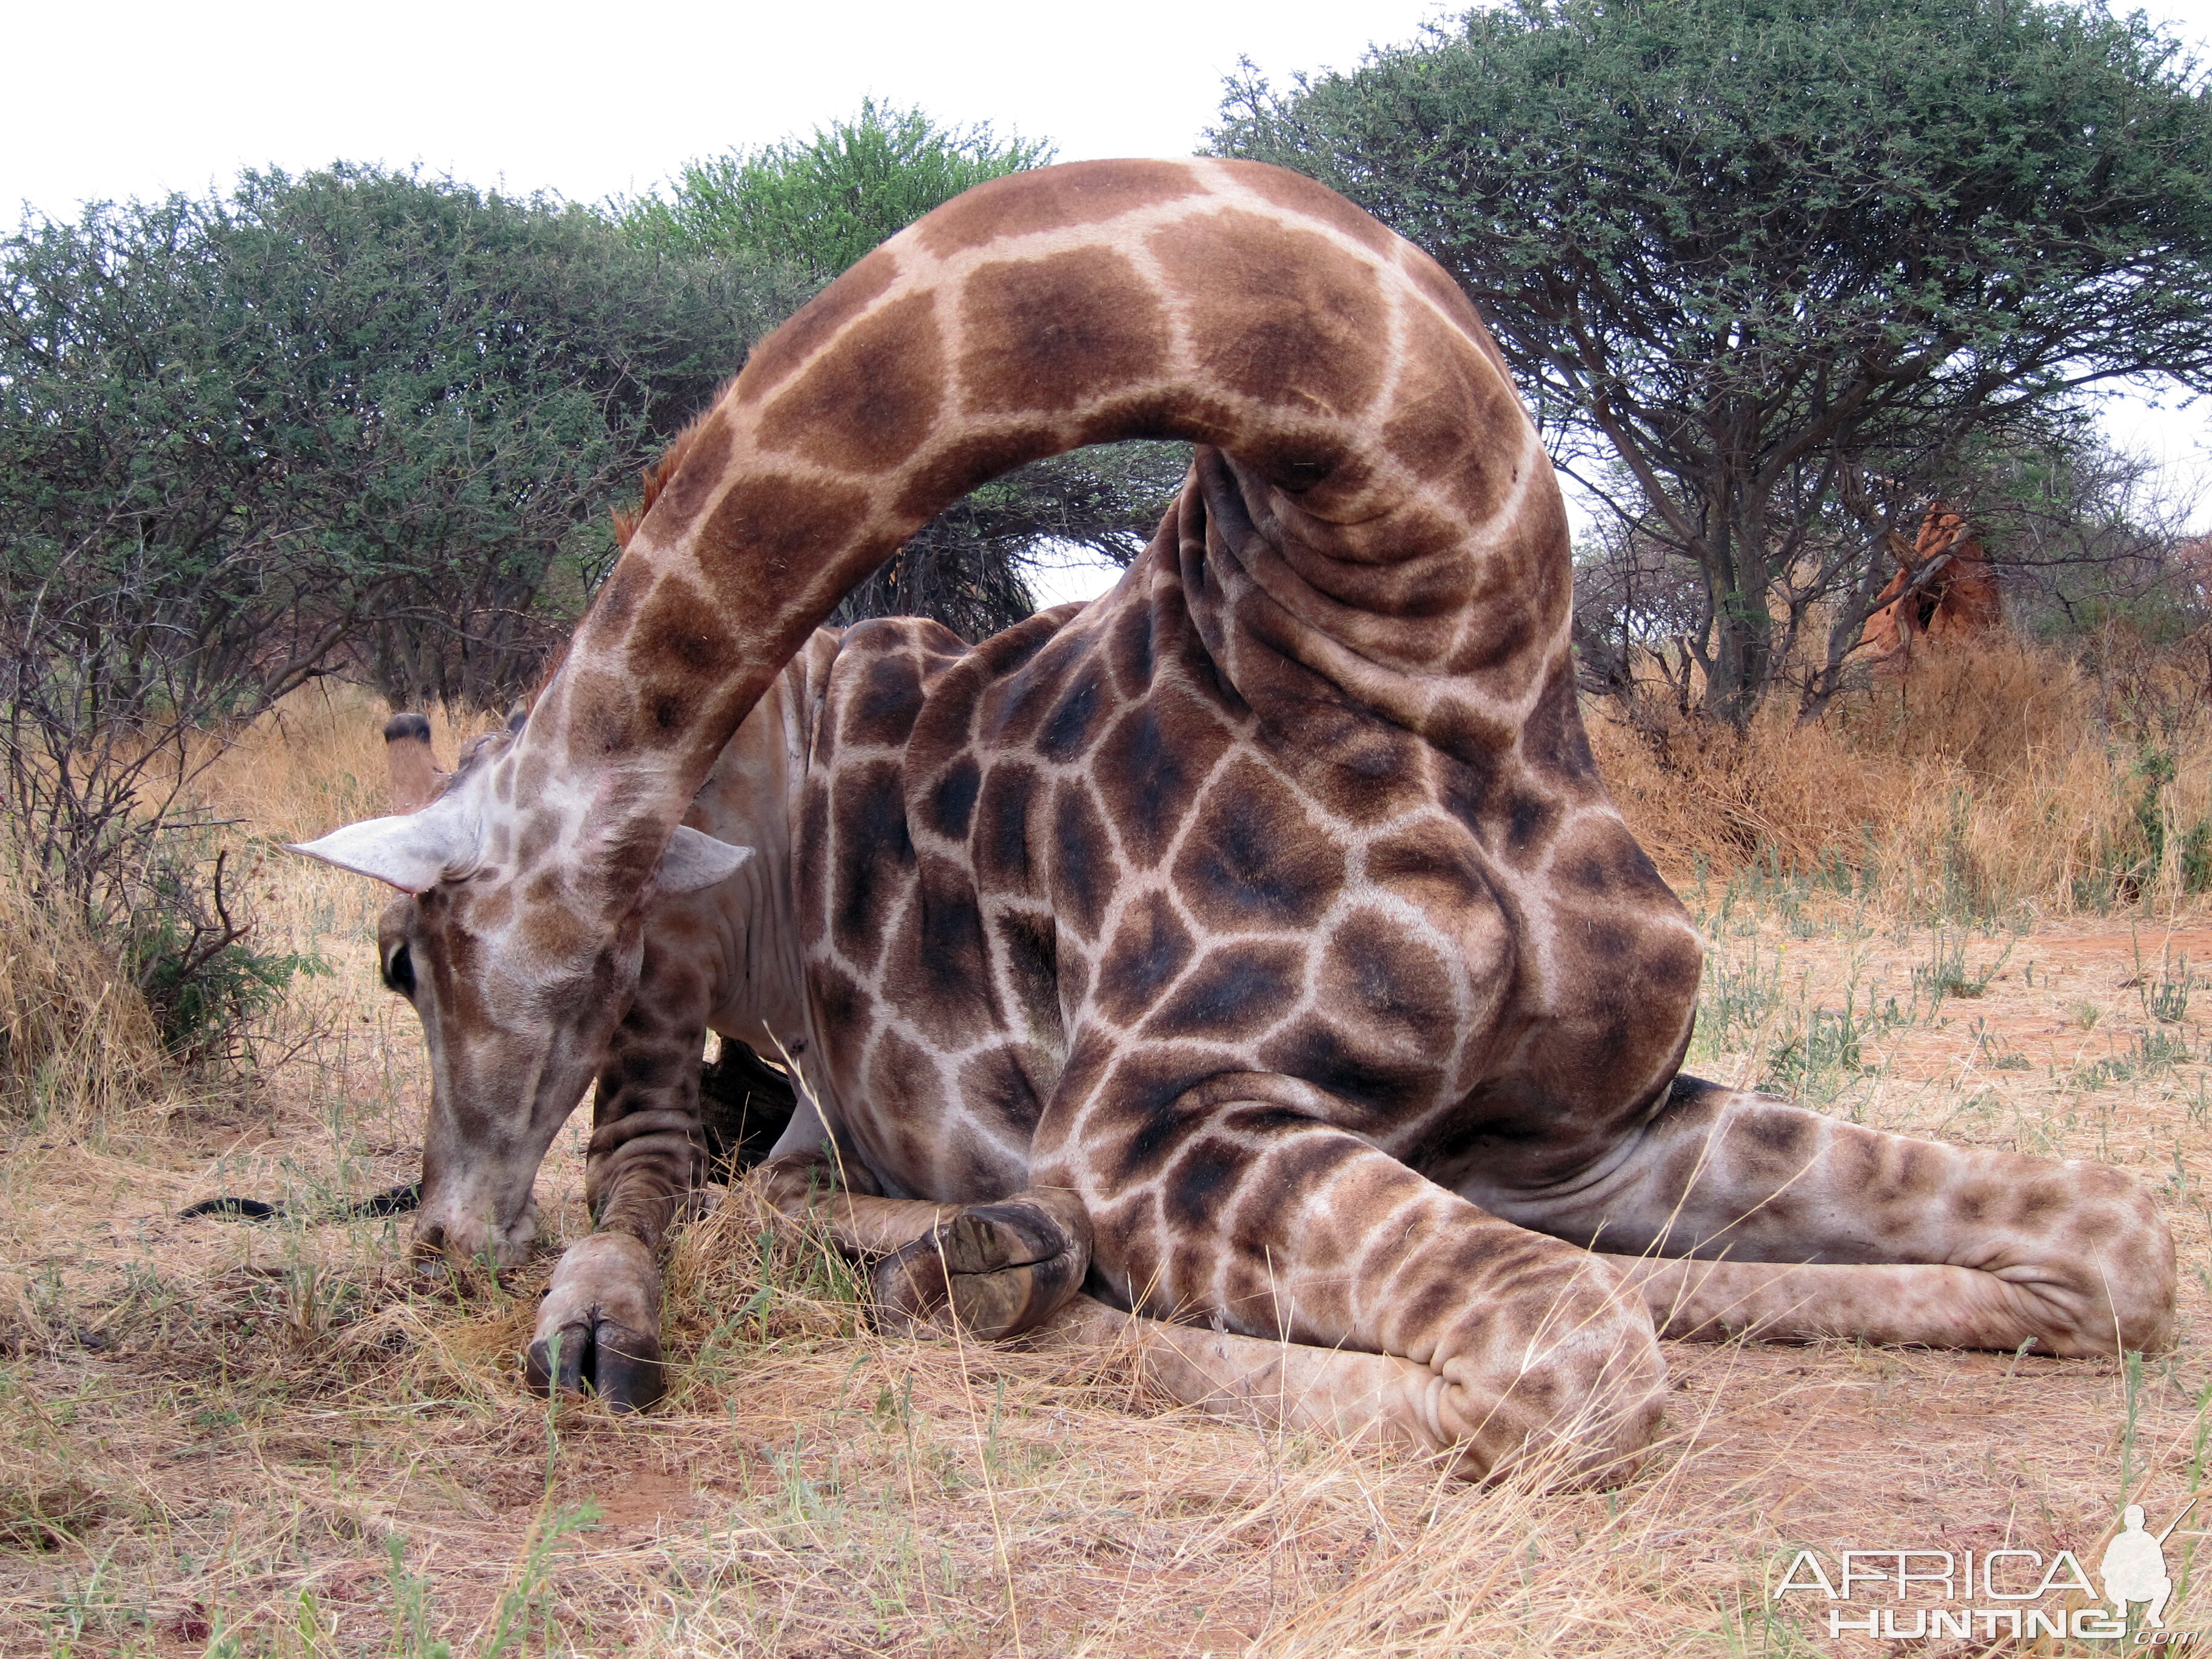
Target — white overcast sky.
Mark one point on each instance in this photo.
(116, 101)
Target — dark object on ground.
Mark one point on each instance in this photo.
(394, 1200)
(744, 1104)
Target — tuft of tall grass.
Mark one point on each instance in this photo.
(1991, 778)
(77, 1036)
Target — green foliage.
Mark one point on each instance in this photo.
(1753, 253)
(354, 414)
(206, 985)
(821, 203)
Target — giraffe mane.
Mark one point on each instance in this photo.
(655, 478)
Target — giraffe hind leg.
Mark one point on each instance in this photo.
(1736, 1214)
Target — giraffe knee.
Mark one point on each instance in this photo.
(2118, 1231)
(1571, 1403)
(2089, 1266)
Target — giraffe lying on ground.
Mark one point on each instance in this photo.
(1255, 948)
(1943, 589)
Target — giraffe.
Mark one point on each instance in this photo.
(1254, 950)
(413, 777)
(1942, 589)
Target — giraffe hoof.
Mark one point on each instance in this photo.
(620, 1364)
(994, 1270)
(597, 1327)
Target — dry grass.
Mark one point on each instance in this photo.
(219, 1439)
(1998, 776)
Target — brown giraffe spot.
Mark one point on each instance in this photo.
(1365, 770)
(1392, 989)
(845, 1004)
(757, 549)
(1129, 647)
(1084, 868)
(1276, 313)
(1200, 1182)
(1353, 1066)
(1027, 953)
(1081, 194)
(874, 858)
(868, 402)
(1453, 417)
(881, 714)
(900, 1069)
(1530, 819)
(1149, 1117)
(677, 644)
(1179, 414)
(1302, 195)
(1153, 761)
(937, 959)
(1255, 857)
(605, 723)
(1027, 696)
(1601, 862)
(1303, 1163)
(1553, 741)
(540, 833)
(1046, 335)
(815, 323)
(1002, 826)
(685, 496)
(810, 875)
(947, 473)
(1065, 734)
(948, 807)
(1235, 992)
(624, 591)
(1148, 950)
(997, 1084)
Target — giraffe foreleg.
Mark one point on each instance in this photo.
(1737, 1214)
(599, 1323)
(992, 1270)
(1336, 1392)
(1362, 1294)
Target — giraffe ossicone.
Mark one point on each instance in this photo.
(1254, 950)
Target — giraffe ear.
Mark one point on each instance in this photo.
(413, 851)
(694, 860)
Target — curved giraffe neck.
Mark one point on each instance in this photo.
(1397, 513)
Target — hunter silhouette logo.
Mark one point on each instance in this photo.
(2007, 1592)
(2134, 1567)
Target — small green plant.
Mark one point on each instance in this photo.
(1824, 1055)
(2167, 999)
(527, 1604)
(1739, 993)
(411, 1609)
(1946, 973)
(205, 986)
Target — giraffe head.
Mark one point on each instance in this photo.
(517, 1004)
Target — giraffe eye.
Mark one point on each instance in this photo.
(399, 973)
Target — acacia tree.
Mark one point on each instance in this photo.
(821, 203)
(812, 207)
(1760, 253)
(354, 422)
